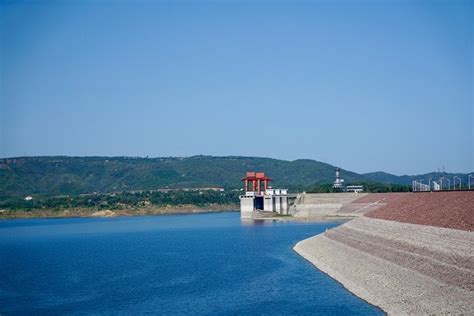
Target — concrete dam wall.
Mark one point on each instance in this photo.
(327, 204)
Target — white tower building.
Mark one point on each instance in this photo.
(338, 183)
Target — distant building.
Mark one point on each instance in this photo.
(355, 188)
(28, 198)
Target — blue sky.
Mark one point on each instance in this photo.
(365, 85)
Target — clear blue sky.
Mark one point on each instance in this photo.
(365, 85)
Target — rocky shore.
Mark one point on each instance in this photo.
(401, 266)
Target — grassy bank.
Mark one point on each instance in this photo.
(119, 204)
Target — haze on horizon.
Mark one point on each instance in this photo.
(368, 86)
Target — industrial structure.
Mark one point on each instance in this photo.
(443, 184)
(419, 186)
(267, 200)
(339, 182)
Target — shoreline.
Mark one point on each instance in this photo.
(94, 213)
(327, 218)
(175, 210)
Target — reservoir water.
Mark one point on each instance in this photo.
(180, 264)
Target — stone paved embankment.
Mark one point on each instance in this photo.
(402, 267)
(453, 209)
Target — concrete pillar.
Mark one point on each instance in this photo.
(277, 204)
(246, 206)
(267, 203)
(284, 205)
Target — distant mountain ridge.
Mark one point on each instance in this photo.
(62, 175)
(384, 177)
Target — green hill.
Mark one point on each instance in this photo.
(60, 175)
(385, 177)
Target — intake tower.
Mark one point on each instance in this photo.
(267, 200)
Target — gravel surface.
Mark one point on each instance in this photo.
(442, 209)
(379, 197)
(403, 268)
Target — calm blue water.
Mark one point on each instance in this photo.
(184, 264)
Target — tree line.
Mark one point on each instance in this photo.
(372, 187)
(126, 200)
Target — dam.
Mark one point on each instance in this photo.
(267, 201)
